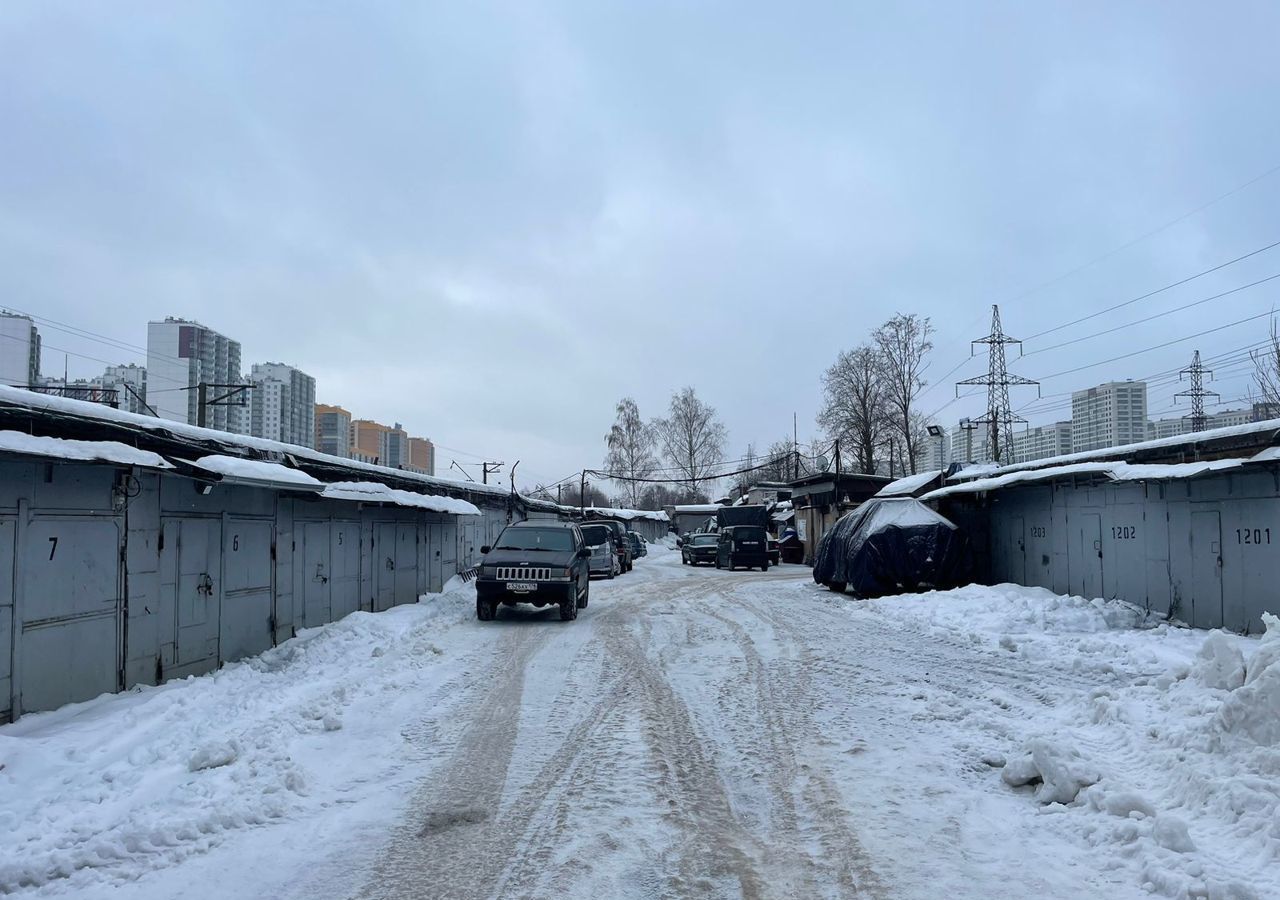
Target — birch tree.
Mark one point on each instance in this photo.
(691, 437)
(631, 443)
(902, 344)
(853, 406)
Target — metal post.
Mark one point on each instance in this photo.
(582, 495)
(202, 397)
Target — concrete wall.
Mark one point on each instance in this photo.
(112, 577)
(1201, 550)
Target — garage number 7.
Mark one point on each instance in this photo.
(53, 546)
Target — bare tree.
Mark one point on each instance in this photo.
(903, 343)
(631, 442)
(691, 437)
(1266, 370)
(853, 405)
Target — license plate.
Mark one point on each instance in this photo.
(522, 587)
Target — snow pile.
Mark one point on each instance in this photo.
(1254, 708)
(1156, 746)
(98, 793)
(1058, 771)
(59, 448)
(256, 470)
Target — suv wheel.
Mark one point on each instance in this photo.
(485, 609)
(586, 596)
(764, 568)
(568, 609)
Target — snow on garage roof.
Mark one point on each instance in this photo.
(84, 409)
(1110, 453)
(254, 471)
(373, 492)
(706, 509)
(626, 515)
(905, 487)
(61, 448)
(1112, 471)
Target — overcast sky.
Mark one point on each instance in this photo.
(492, 221)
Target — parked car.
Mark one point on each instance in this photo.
(698, 548)
(543, 563)
(742, 545)
(638, 548)
(623, 546)
(604, 556)
(775, 551)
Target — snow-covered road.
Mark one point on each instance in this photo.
(695, 733)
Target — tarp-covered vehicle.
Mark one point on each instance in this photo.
(892, 545)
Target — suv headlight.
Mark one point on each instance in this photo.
(488, 571)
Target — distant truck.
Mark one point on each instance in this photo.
(730, 516)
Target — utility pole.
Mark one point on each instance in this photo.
(999, 417)
(582, 495)
(1197, 392)
(968, 426)
(234, 396)
(559, 499)
(486, 468)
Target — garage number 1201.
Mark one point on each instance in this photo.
(1249, 536)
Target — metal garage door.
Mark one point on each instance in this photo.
(406, 563)
(384, 569)
(1206, 569)
(69, 642)
(8, 530)
(190, 580)
(1085, 560)
(245, 620)
(315, 574)
(344, 581)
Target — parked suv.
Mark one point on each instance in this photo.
(625, 556)
(541, 563)
(638, 549)
(742, 545)
(604, 556)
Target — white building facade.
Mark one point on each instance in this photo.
(19, 351)
(182, 354)
(1042, 442)
(130, 384)
(283, 404)
(1109, 415)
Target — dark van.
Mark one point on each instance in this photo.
(743, 545)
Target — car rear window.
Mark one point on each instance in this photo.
(703, 540)
(748, 533)
(595, 535)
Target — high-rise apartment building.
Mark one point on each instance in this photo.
(182, 354)
(282, 406)
(388, 445)
(333, 430)
(1109, 415)
(971, 444)
(937, 451)
(1164, 428)
(1042, 442)
(130, 384)
(422, 456)
(19, 350)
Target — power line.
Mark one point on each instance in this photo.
(1160, 290)
(1142, 237)
(1154, 316)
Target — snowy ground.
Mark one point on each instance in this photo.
(695, 733)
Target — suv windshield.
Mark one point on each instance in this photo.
(535, 539)
(595, 535)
